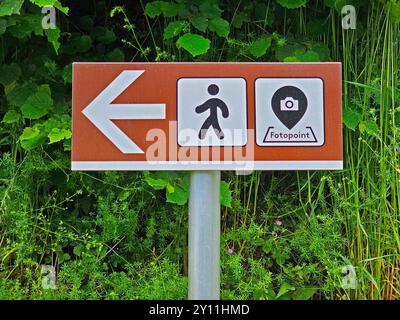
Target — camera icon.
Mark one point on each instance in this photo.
(289, 104)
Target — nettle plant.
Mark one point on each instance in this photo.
(34, 86)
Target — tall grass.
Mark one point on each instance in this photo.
(366, 193)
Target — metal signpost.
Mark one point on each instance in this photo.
(204, 118)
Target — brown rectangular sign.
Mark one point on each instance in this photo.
(207, 116)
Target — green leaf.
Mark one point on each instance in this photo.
(170, 9)
(194, 44)
(304, 293)
(32, 137)
(179, 195)
(370, 127)
(220, 26)
(57, 134)
(23, 26)
(11, 116)
(259, 47)
(9, 7)
(153, 9)
(310, 56)
(78, 44)
(9, 73)
(285, 288)
(53, 36)
(107, 37)
(38, 104)
(351, 119)
(174, 29)
(226, 194)
(199, 22)
(53, 3)
(210, 10)
(17, 94)
(292, 4)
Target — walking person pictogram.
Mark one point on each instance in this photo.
(212, 121)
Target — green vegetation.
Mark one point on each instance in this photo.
(124, 235)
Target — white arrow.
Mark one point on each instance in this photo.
(101, 111)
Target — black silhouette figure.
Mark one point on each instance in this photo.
(212, 121)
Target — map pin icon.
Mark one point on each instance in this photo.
(289, 105)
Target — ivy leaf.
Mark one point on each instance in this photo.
(53, 36)
(38, 104)
(370, 127)
(194, 44)
(292, 4)
(259, 47)
(11, 116)
(9, 7)
(351, 119)
(174, 28)
(9, 73)
(57, 134)
(220, 26)
(32, 137)
(226, 194)
(200, 23)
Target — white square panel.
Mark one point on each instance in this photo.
(289, 112)
(212, 112)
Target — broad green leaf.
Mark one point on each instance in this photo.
(194, 44)
(9, 7)
(304, 293)
(174, 29)
(179, 196)
(11, 116)
(210, 10)
(153, 9)
(170, 9)
(285, 288)
(78, 44)
(57, 134)
(32, 137)
(351, 119)
(219, 26)
(38, 104)
(292, 4)
(226, 194)
(53, 3)
(156, 183)
(239, 19)
(370, 127)
(199, 22)
(9, 73)
(107, 37)
(17, 94)
(53, 36)
(310, 56)
(23, 26)
(259, 47)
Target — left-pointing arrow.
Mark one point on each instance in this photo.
(101, 111)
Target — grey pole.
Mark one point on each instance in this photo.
(204, 235)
